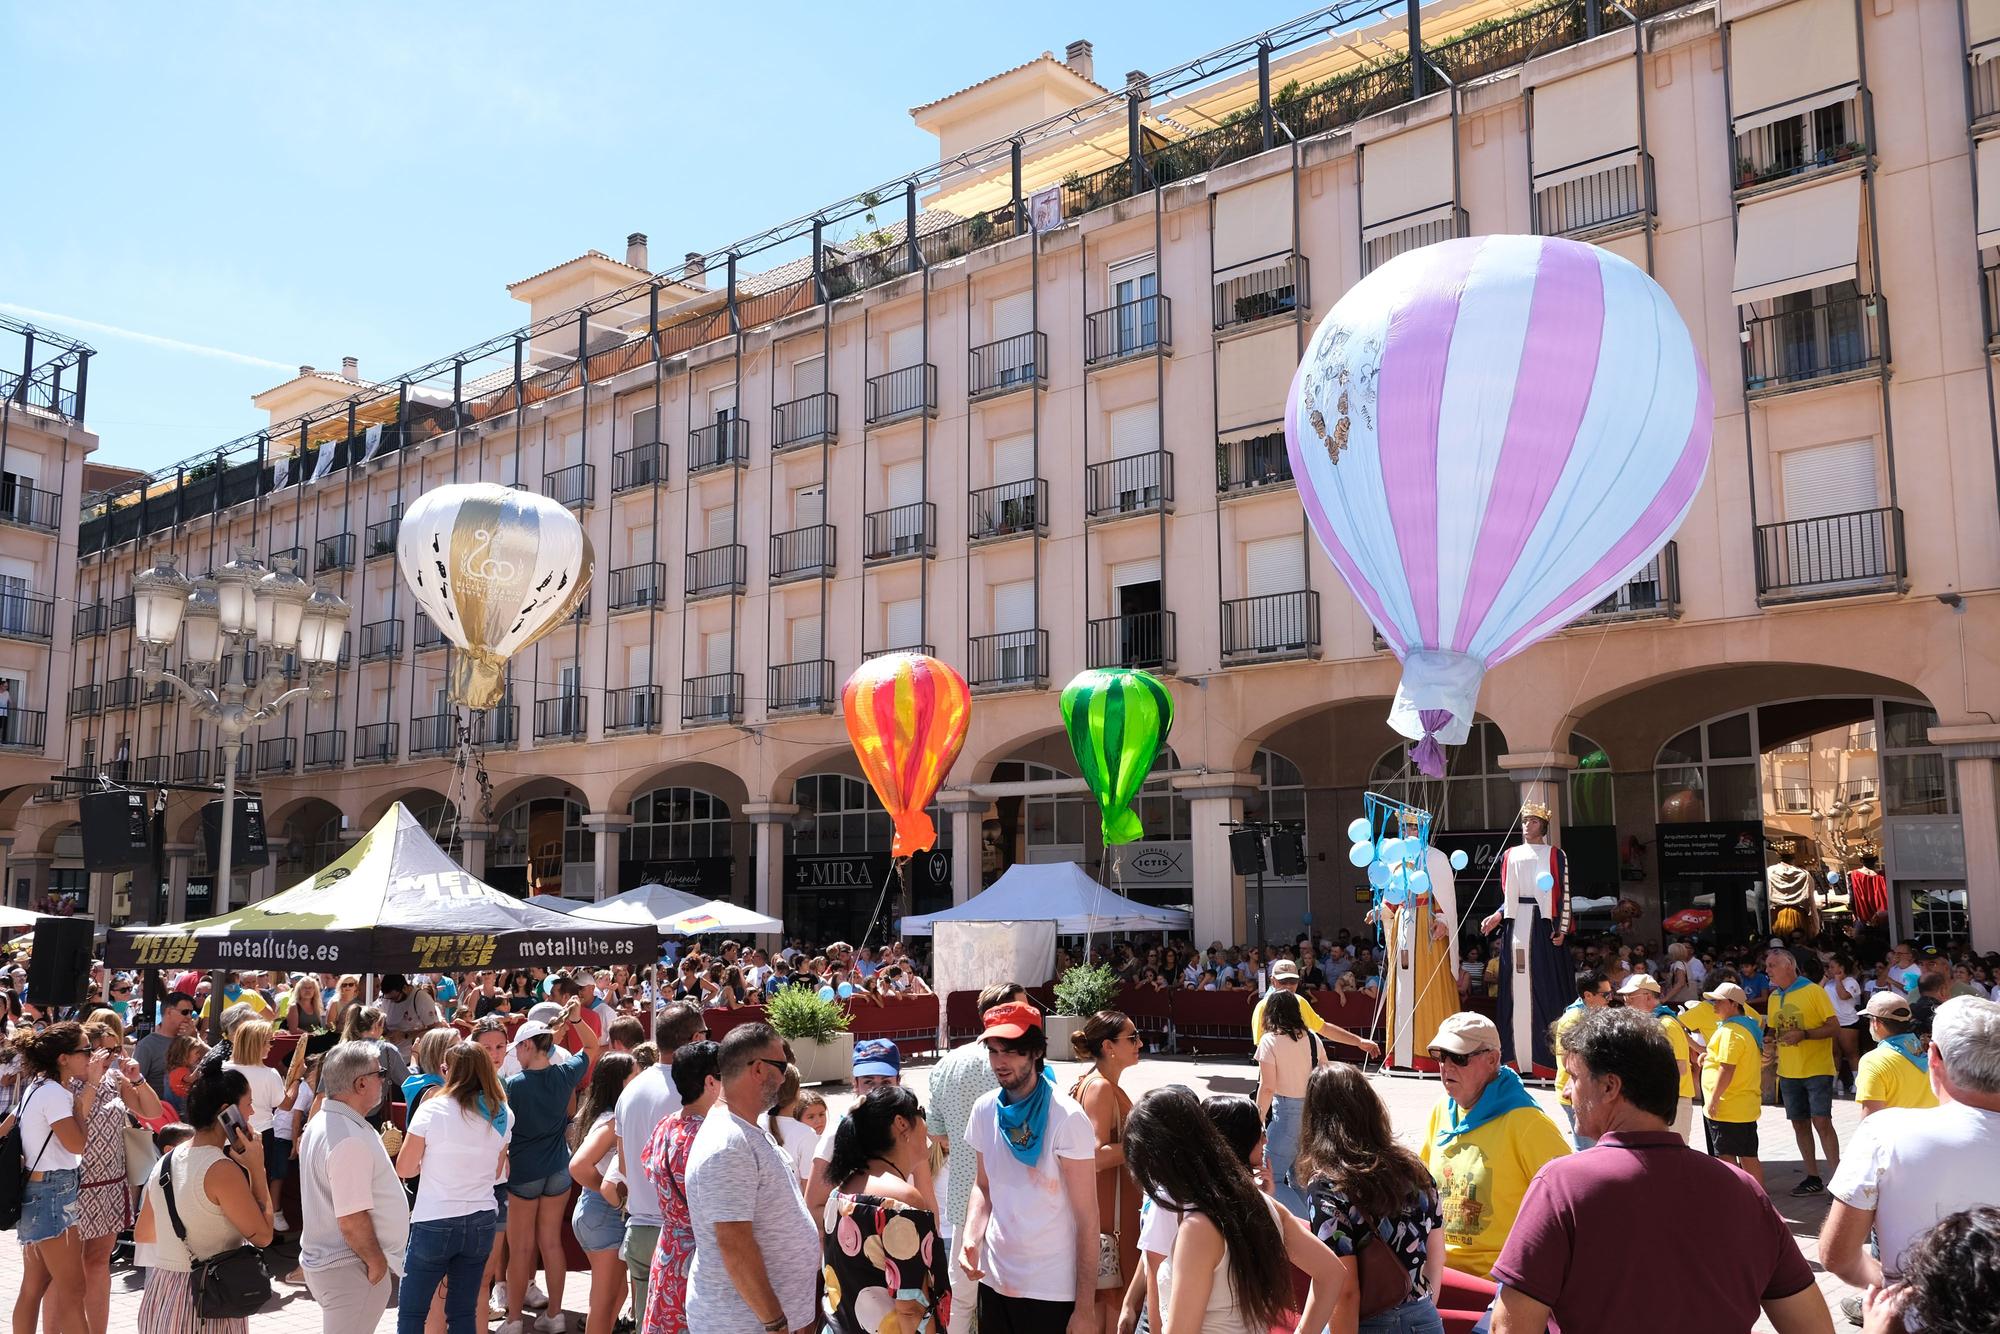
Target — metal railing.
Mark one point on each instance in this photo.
(1801, 145)
(326, 750)
(1621, 192)
(638, 586)
(1012, 660)
(376, 743)
(717, 570)
(500, 726)
(1261, 288)
(124, 611)
(192, 766)
(715, 698)
(804, 421)
(1137, 639)
(928, 650)
(723, 443)
(802, 553)
(1105, 186)
(381, 641)
(1487, 48)
(333, 553)
(1990, 275)
(632, 709)
(800, 685)
(43, 389)
(1128, 329)
(1134, 484)
(26, 616)
(86, 700)
(1654, 591)
(574, 486)
(1383, 247)
(382, 537)
(1251, 463)
(121, 692)
(277, 755)
(433, 734)
(563, 718)
(900, 533)
(1837, 555)
(89, 620)
(1007, 364)
(31, 506)
(1009, 509)
(641, 465)
(894, 395)
(1275, 625)
(24, 729)
(1825, 340)
(426, 633)
(1985, 88)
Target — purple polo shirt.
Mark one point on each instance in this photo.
(1644, 1234)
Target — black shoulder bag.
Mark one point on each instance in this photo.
(229, 1286)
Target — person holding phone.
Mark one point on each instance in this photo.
(104, 1200)
(538, 1179)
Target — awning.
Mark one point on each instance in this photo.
(1988, 163)
(1806, 105)
(1253, 374)
(1408, 174)
(1585, 124)
(1982, 28)
(1791, 54)
(1798, 240)
(1253, 221)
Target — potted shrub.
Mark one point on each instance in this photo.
(1080, 993)
(822, 1047)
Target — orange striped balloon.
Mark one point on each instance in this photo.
(906, 715)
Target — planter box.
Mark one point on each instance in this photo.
(830, 1062)
(1059, 1027)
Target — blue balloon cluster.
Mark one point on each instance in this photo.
(1545, 882)
(1395, 865)
(1459, 860)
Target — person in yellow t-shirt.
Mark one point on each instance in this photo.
(235, 993)
(1802, 1023)
(1642, 993)
(1486, 1139)
(1732, 1080)
(1898, 1072)
(1593, 992)
(1285, 977)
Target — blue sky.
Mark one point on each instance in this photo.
(211, 195)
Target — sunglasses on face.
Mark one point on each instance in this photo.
(1456, 1059)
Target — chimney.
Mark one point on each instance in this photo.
(697, 266)
(1137, 82)
(1077, 57)
(635, 250)
(350, 368)
(305, 370)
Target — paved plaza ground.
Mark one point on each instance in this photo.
(1409, 1101)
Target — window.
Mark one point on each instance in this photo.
(1132, 282)
(519, 839)
(1709, 773)
(1475, 794)
(841, 814)
(673, 823)
(645, 427)
(1590, 787)
(903, 623)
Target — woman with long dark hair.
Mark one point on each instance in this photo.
(883, 1192)
(599, 1217)
(54, 1124)
(1111, 1043)
(1365, 1189)
(1286, 1055)
(1228, 1270)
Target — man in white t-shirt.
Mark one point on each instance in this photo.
(1031, 1230)
(648, 1100)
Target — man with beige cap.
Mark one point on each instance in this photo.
(1732, 1079)
(1285, 977)
(1640, 992)
(1898, 1072)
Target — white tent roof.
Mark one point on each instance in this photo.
(16, 918)
(555, 902)
(1058, 892)
(647, 905)
(720, 917)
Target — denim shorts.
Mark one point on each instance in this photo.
(597, 1225)
(49, 1207)
(533, 1188)
(1806, 1098)
(500, 1205)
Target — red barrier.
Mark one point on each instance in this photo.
(961, 1016)
(908, 1021)
(1353, 1011)
(1151, 1012)
(1212, 1021)
(719, 1022)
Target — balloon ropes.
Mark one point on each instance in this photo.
(1490, 435)
(495, 569)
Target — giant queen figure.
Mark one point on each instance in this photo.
(1421, 935)
(1537, 979)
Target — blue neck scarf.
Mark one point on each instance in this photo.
(1749, 1025)
(1022, 1123)
(1665, 1012)
(1505, 1094)
(414, 1086)
(1797, 982)
(495, 1116)
(1912, 1049)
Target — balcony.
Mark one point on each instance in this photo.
(25, 616)
(1136, 328)
(382, 537)
(381, 641)
(433, 734)
(802, 553)
(326, 750)
(1256, 460)
(1655, 591)
(563, 718)
(574, 486)
(122, 692)
(800, 687)
(717, 571)
(498, 728)
(124, 611)
(1840, 555)
(894, 396)
(277, 755)
(90, 620)
(1136, 484)
(30, 507)
(24, 729)
(1985, 89)
(86, 701)
(1792, 148)
(723, 443)
(639, 466)
(1828, 342)
(928, 650)
(715, 698)
(632, 709)
(333, 553)
(1990, 275)
(1007, 364)
(1271, 628)
(1143, 639)
(1010, 509)
(1269, 287)
(903, 533)
(376, 743)
(427, 635)
(290, 558)
(193, 766)
(1384, 246)
(812, 420)
(1614, 199)
(1013, 660)
(638, 586)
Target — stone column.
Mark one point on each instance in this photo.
(263, 882)
(1542, 776)
(609, 833)
(32, 867)
(473, 837)
(968, 817)
(180, 864)
(768, 822)
(1215, 802)
(6, 871)
(1972, 753)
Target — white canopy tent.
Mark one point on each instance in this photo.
(1059, 892)
(16, 919)
(646, 905)
(719, 918)
(555, 902)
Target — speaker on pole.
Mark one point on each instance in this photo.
(1288, 852)
(1246, 851)
(117, 830)
(61, 963)
(250, 851)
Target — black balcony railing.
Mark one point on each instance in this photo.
(1275, 625)
(641, 465)
(638, 586)
(1137, 639)
(1654, 591)
(24, 729)
(802, 553)
(381, 641)
(1618, 194)
(928, 650)
(1128, 329)
(900, 533)
(804, 421)
(1830, 339)
(1990, 275)
(1134, 484)
(377, 743)
(121, 692)
(499, 726)
(382, 537)
(30, 506)
(292, 558)
(1802, 145)
(1009, 509)
(326, 750)
(1253, 462)
(632, 709)
(564, 718)
(333, 553)
(1259, 289)
(426, 634)
(574, 486)
(715, 698)
(245, 758)
(796, 686)
(1008, 364)
(86, 700)
(26, 616)
(1836, 556)
(1384, 246)
(717, 570)
(723, 443)
(894, 395)
(433, 734)
(1014, 660)
(1488, 48)
(278, 755)
(193, 766)
(124, 611)
(90, 620)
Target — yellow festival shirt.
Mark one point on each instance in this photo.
(1886, 1076)
(1732, 1045)
(1806, 1005)
(248, 997)
(1677, 1038)
(1482, 1175)
(1699, 1019)
(1564, 1022)
(1306, 1012)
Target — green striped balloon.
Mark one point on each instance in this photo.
(1117, 721)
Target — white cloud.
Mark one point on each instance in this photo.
(172, 344)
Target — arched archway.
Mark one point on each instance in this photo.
(838, 860)
(304, 836)
(539, 843)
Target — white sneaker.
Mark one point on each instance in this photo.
(498, 1301)
(513, 1327)
(551, 1324)
(278, 1223)
(536, 1300)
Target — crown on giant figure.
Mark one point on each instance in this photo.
(1535, 810)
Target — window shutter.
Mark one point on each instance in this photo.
(645, 427)
(1830, 479)
(1013, 459)
(722, 526)
(808, 377)
(1014, 606)
(805, 639)
(1136, 572)
(906, 483)
(906, 347)
(1012, 315)
(1406, 176)
(1253, 221)
(808, 506)
(715, 650)
(903, 623)
(1135, 431)
(1274, 565)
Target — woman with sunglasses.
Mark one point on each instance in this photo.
(54, 1122)
(883, 1194)
(104, 1201)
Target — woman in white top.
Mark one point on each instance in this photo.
(1286, 1057)
(456, 1145)
(1844, 990)
(53, 1122)
(248, 1046)
(794, 1136)
(1230, 1269)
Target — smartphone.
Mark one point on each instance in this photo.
(234, 1125)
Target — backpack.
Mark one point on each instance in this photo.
(14, 1165)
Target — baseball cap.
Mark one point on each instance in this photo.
(1728, 991)
(1465, 1033)
(1886, 1005)
(531, 1030)
(878, 1056)
(1639, 982)
(1284, 970)
(187, 982)
(541, 1012)
(1011, 1020)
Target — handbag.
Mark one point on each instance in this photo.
(229, 1286)
(141, 1154)
(1384, 1283)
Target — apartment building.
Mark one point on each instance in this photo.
(1023, 411)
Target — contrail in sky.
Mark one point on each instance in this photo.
(172, 344)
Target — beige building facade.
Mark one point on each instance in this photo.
(1026, 416)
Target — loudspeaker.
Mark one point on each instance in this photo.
(1288, 852)
(117, 831)
(249, 851)
(1246, 851)
(60, 967)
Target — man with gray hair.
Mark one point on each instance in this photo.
(1800, 1027)
(356, 1216)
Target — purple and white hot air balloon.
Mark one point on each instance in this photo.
(1490, 435)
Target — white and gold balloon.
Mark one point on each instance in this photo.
(495, 569)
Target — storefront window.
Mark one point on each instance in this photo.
(677, 823)
(1476, 793)
(1163, 811)
(514, 845)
